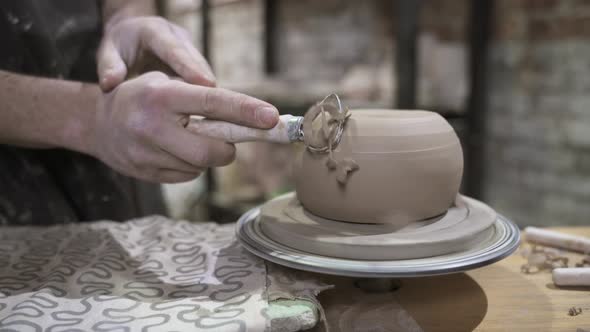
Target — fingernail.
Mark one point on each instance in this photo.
(105, 83)
(211, 79)
(209, 75)
(110, 72)
(268, 116)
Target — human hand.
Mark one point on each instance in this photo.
(140, 127)
(132, 42)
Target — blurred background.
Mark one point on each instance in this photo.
(512, 77)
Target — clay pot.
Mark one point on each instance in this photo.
(410, 169)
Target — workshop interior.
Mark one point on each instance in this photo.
(428, 169)
(507, 76)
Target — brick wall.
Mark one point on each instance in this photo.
(351, 44)
(236, 41)
(236, 35)
(334, 45)
(538, 148)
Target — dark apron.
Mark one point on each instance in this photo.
(59, 39)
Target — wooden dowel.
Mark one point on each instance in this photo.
(573, 276)
(557, 239)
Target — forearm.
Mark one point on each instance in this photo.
(47, 113)
(115, 10)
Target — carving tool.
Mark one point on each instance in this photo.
(289, 129)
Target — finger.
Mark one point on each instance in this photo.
(172, 176)
(199, 151)
(163, 159)
(110, 66)
(221, 104)
(196, 55)
(172, 51)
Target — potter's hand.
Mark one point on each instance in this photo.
(140, 127)
(130, 41)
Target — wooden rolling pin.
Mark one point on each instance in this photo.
(572, 276)
(287, 130)
(557, 239)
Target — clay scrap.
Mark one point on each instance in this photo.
(323, 125)
(542, 258)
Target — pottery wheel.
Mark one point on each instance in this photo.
(469, 235)
(284, 220)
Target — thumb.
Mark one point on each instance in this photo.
(111, 67)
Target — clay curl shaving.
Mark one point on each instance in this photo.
(329, 134)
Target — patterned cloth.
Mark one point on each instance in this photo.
(149, 274)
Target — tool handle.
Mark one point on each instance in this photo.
(234, 133)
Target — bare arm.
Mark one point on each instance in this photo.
(137, 129)
(136, 126)
(45, 113)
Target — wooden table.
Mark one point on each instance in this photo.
(493, 298)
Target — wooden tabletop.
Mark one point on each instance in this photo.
(498, 297)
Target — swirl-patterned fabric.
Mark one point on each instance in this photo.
(149, 274)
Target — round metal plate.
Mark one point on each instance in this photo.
(503, 240)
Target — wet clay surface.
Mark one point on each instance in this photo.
(389, 167)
